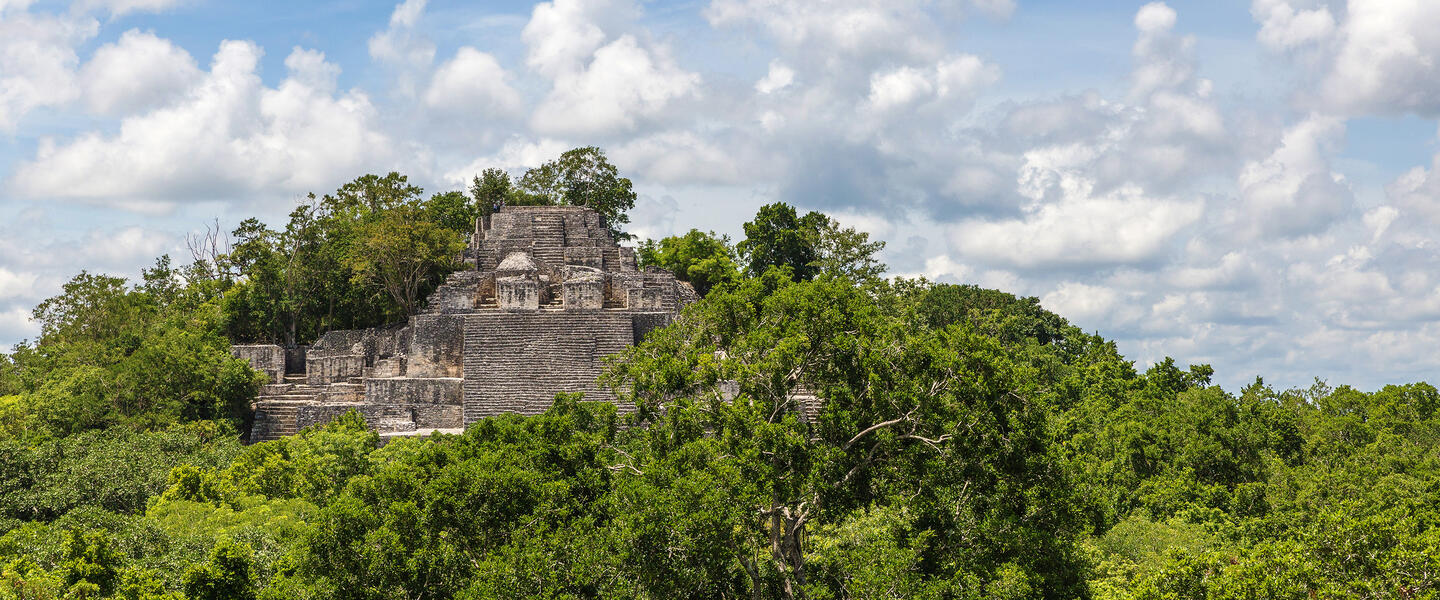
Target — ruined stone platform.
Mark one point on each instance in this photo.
(547, 296)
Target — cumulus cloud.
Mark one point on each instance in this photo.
(118, 8)
(15, 324)
(680, 157)
(1374, 58)
(1388, 60)
(623, 84)
(398, 44)
(846, 29)
(14, 284)
(1283, 26)
(136, 73)
(778, 78)
(1293, 191)
(514, 156)
(38, 60)
(1417, 192)
(229, 135)
(562, 35)
(1123, 227)
(604, 79)
(1082, 302)
(473, 84)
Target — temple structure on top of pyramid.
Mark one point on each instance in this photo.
(548, 295)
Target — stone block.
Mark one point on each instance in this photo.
(627, 260)
(265, 358)
(448, 391)
(585, 256)
(518, 293)
(437, 346)
(584, 293)
(618, 286)
(325, 370)
(644, 299)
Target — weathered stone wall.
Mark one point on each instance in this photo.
(644, 323)
(437, 346)
(587, 293)
(518, 293)
(265, 358)
(322, 370)
(383, 417)
(517, 362)
(409, 390)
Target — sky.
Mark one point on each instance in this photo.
(1248, 184)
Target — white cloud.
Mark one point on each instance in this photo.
(680, 157)
(1123, 227)
(136, 73)
(1388, 60)
(15, 324)
(777, 78)
(1082, 302)
(14, 284)
(1373, 57)
(1161, 57)
(514, 156)
(622, 85)
(118, 8)
(843, 29)
(230, 135)
(1293, 191)
(398, 44)
(562, 35)
(473, 84)
(1417, 192)
(38, 61)
(1283, 26)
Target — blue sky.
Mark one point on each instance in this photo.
(1248, 183)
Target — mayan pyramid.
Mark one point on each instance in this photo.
(547, 295)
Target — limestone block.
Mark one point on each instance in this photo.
(584, 293)
(265, 358)
(618, 286)
(437, 346)
(447, 391)
(644, 323)
(518, 293)
(627, 259)
(644, 299)
(585, 256)
(324, 370)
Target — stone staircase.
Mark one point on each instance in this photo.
(457, 294)
(521, 360)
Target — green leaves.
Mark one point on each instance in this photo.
(580, 177)
(703, 259)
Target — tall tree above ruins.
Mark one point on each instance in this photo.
(583, 177)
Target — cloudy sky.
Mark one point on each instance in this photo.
(1251, 184)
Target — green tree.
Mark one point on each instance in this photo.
(809, 245)
(402, 253)
(845, 252)
(491, 190)
(454, 211)
(703, 259)
(225, 576)
(778, 237)
(583, 177)
(91, 563)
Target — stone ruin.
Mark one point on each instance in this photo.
(548, 294)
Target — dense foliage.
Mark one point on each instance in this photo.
(965, 443)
